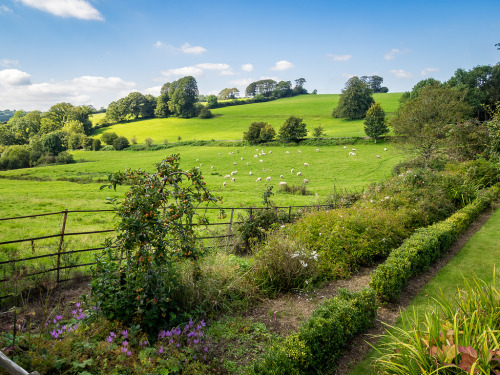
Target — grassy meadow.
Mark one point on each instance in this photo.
(229, 123)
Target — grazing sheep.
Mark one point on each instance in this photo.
(250, 173)
(233, 179)
(299, 173)
(259, 179)
(197, 160)
(300, 152)
(317, 150)
(212, 167)
(241, 158)
(345, 146)
(224, 184)
(287, 152)
(354, 149)
(291, 171)
(352, 154)
(281, 176)
(385, 149)
(305, 181)
(201, 164)
(227, 176)
(283, 183)
(233, 173)
(306, 164)
(260, 153)
(248, 163)
(220, 153)
(270, 152)
(268, 178)
(262, 161)
(378, 157)
(234, 163)
(263, 153)
(255, 156)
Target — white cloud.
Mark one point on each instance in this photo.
(159, 44)
(155, 90)
(247, 67)
(193, 50)
(426, 71)
(339, 57)
(81, 9)
(8, 62)
(185, 71)
(282, 65)
(98, 91)
(211, 66)
(401, 73)
(241, 82)
(5, 9)
(394, 52)
(14, 77)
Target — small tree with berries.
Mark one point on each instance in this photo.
(136, 277)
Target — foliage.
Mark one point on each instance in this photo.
(154, 234)
(183, 95)
(468, 140)
(120, 143)
(259, 132)
(263, 87)
(461, 336)
(228, 93)
(109, 137)
(494, 134)
(318, 132)
(355, 100)
(321, 339)
(292, 130)
(375, 83)
(15, 157)
(52, 143)
(149, 142)
(423, 248)
(375, 125)
(96, 144)
(205, 113)
(211, 101)
(423, 122)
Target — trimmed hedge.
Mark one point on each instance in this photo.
(320, 340)
(424, 247)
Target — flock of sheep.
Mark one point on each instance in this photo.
(260, 154)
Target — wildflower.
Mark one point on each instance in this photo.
(124, 350)
(109, 339)
(206, 349)
(125, 333)
(160, 350)
(112, 334)
(59, 317)
(77, 304)
(125, 343)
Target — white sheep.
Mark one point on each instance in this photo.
(255, 156)
(233, 173)
(300, 152)
(378, 157)
(299, 173)
(250, 173)
(248, 163)
(385, 149)
(262, 161)
(241, 158)
(291, 171)
(234, 163)
(227, 176)
(197, 160)
(283, 183)
(281, 176)
(317, 150)
(270, 152)
(233, 179)
(352, 154)
(212, 167)
(263, 153)
(224, 184)
(220, 153)
(345, 146)
(354, 149)
(305, 181)
(287, 152)
(268, 178)
(258, 179)
(306, 164)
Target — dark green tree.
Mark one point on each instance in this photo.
(283, 89)
(259, 132)
(109, 137)
(292, 130)
(355, 100)
(375, 125)
(184, 97)
(212, 101)
(52, 144)
(120, 143)
(161, 109)
(228, 93)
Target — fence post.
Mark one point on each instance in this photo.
(61, 242)
(289, 213)
(230, 225)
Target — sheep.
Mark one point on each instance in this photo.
(227, 176)
(305, 181)
(262, 161)
(345, 146)
(306, 164)
(224, 184)
(385, 149)
(352, 154)
(378, 157)
(234, 163)
(250, 173)
(264, 170)
(300, 152)
(248, 163)
(263, 153)
(283, 183)
(291, 171)
(270, 152)
(201, 164)
(354, 149)
(233, 173)
(268, 178)
(287, 152)
(233, 179)
(220, 154)
(258, 179)
(281, 176)
(212, 167)
(299, 173)
(197, 160)
(255, 156)
(241, 158)
(317, 150)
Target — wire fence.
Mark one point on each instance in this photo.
(67, 259)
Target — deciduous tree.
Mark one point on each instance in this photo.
(375, 125)
(355, 100)
(292, 130)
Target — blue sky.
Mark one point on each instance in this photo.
(97, 51)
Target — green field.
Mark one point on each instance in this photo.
(229, 123)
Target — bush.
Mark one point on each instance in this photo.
(15, 157)
(52, 143)
(149, 142)
(259, 132)
(321, 339)
(96, 144)
(109, 137)
(292, 130)
(424, 247)
(205, 113)
(64, 158)
(120, 143)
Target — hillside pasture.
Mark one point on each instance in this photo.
(231, 122)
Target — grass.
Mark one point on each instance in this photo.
(478, 258)
(231, 122)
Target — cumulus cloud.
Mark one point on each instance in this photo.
(14, 77)
(155, 90)
(282, 65)
(185, 71)
(80, 9)
(426, 71)
(241, 82)
(394, 52)
(8, 62)
(81, 90)
(193, 50)
(5, 9)
(247, 67)
(401, 73)
(159, 44)
(212, 66)
(339, 57)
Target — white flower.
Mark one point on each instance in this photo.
(304, 264)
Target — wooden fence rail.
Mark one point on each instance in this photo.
(64, 233)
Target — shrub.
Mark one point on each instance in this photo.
(423, 248)
(322, 338)
(205, 113)
(109, 137)
(292, 129)
(52, 143)
(64, 158)
(96, 144)
(15, 157)
(120, 143)
(133, 140)
(149, 142)
(259, 132)
(318, 132)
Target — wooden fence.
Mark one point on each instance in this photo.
(64, 233)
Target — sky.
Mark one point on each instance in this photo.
(92, 52)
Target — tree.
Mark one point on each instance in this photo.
(375, 125)
(184, 97)
(299, 87)
(117, 111)
(375, 83)
(212, 101)
(263, 87)
(120, 143)
(292, 129)
(259, 132)
(355, 100)
(318, 132)
(109, 137)
(52, 144)
(283, 89)
(228, 93)
(161, 109)
(423, 121)
(205, 113)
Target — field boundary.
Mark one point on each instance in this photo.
(19, 262)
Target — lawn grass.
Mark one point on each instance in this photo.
(229, 123)
(478, 258)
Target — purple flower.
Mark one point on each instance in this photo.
(129, 353)
(125, 333)
(195, 341)
(109, 339)
(77, 304)
(206, 349)
(54, 321)
(178, 345)
(124, 350)
(160, 350)
(125, 343)
(59, 317)
(112, 334)
(203, 323)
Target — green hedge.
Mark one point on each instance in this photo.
(321, 339)
(424, 247)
